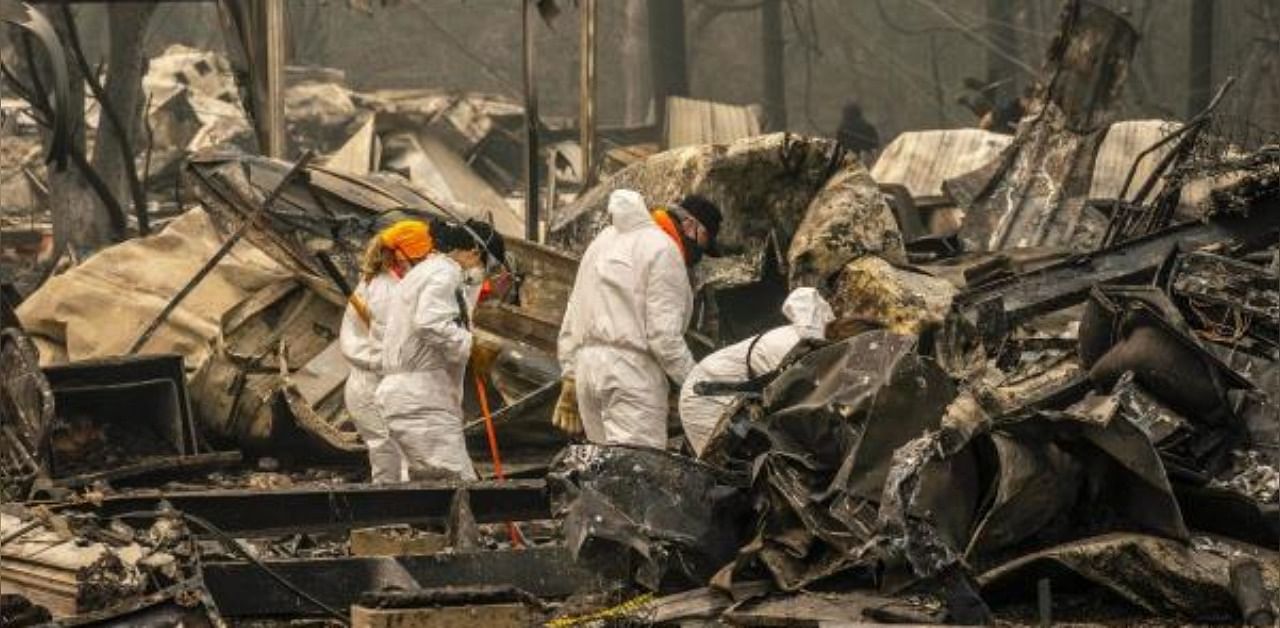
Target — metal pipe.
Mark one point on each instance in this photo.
(531, 205)
(274, 32)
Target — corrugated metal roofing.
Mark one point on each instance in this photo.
(922, 160)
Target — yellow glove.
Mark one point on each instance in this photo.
(482, 358)
(566, 415)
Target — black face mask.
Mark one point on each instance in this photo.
(692, 252)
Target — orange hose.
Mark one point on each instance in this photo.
(483, 397)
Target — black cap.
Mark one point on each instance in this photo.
(709, 215)
(472, 235)
(489, 240)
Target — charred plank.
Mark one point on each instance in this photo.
(339, 507)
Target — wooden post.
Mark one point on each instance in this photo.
(587, 93)
(531, 206)
(274, 31)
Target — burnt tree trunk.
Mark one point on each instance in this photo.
(667, 54)
(126, 64)
(81, 221)
(773, 47)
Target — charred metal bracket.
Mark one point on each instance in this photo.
(343, 507)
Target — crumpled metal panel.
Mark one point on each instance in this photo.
(1164, 577)
(821, 452)
(245, 395)
(1035, 194)
(675, 519)
(1135, 329)
(1054, 477)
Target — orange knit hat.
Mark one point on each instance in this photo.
(410, 238)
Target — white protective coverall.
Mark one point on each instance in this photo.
(623, 329)
(424, 358)
(809, 314)
(361, 345)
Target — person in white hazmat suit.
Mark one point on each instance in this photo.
(387, 257)
(427, 344)
(623, 330)
(809, 315)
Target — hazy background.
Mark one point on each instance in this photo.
(903, 60)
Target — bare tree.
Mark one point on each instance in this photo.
(82, 220)
(120, 102)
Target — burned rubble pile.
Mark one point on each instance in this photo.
(1050, 391)
(938, 475)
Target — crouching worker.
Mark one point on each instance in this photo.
(427, 344)
(809, 314)
(389, 255)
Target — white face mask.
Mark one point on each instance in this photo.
(475, 276)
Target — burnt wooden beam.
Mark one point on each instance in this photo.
(244, 512)
(245, 590)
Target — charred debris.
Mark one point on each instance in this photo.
(1053, 393)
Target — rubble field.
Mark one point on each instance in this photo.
(1051, 394)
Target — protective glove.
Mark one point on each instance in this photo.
(482, 358)
(566, 415)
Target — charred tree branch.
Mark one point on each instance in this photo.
(40, 104)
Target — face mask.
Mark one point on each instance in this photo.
(691, 249)
(475, 276)
(692, 252)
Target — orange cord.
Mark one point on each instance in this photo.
(483, 397)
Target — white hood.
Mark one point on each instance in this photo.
(627, 210)
(808, 312)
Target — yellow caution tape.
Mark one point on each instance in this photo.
(625, 608)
